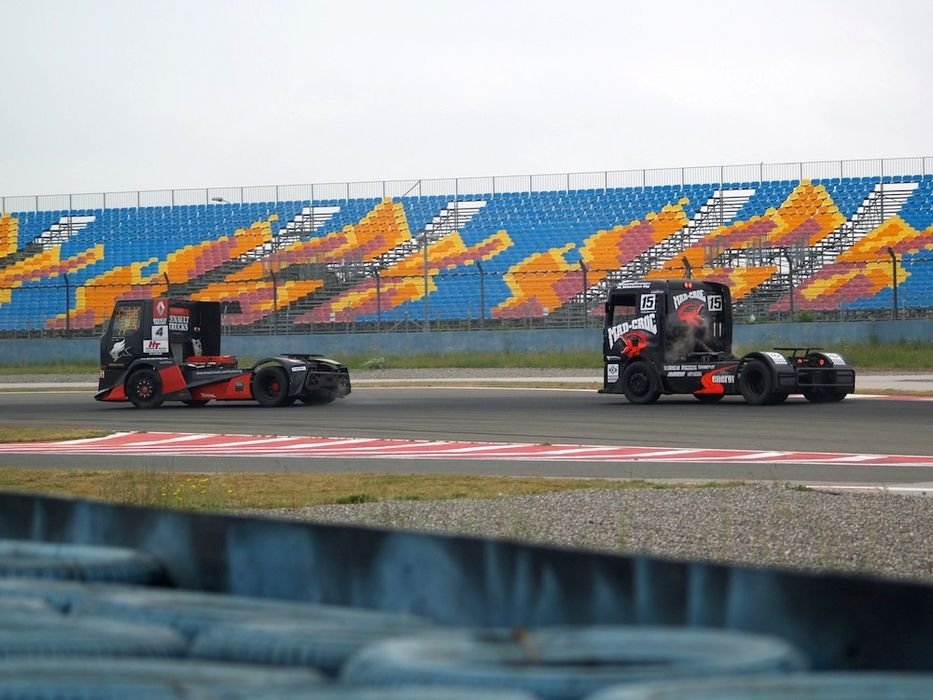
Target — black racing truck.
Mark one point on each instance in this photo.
(675, 337)
(164, 349)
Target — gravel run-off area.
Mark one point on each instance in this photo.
(879, 534)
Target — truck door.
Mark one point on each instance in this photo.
(123, 337)
(631, 323)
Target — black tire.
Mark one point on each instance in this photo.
(756, 382)
(567, 661)
(28, 559)
(825, 685)
(144, 389)
(822, 394)
(57, 635)
(318, 397)
(21, 605)
(196, 403)
(86, 678)
(194, 613)
(325, 645)
(709, 398)
(61, 594)
(270, 386)
(640, 383)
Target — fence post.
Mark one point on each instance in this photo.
(893, 280)
(67, 305)
(424, 237)
(482, 294)
(790, 280)
(585, 288)
(275, 302)
(378, 302)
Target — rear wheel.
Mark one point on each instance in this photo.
(824, 395)
(144, 389)
(640, 383)
(317, 397)
(270, 386)
(756, 382)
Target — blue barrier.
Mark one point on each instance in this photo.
(840, 622)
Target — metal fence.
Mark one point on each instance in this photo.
(492, 184)
(384, 303)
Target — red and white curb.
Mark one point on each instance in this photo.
(209, 445)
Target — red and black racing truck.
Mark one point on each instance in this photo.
(164, 349)
(675, 337)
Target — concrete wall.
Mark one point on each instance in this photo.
(754, 336)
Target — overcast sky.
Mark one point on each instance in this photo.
(112, 95)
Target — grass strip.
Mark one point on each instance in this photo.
(242, 491)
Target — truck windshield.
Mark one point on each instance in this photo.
(126, 320)
(623, 308)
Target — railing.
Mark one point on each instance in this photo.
(471, 186)
(270, 311)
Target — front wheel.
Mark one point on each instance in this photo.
(270, 386)
(640, 383)
(144, 389)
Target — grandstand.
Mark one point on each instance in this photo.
(847, 239)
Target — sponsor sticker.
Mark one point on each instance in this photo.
(646, 323)
(696, 294)
(776, 357)
(154, 346)
(835, 358)
(178, 320)
(612, 373)
(160, 312)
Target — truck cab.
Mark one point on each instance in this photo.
(168, 349)
(175, 328)
(675, 337)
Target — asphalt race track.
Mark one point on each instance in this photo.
(538, 416)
